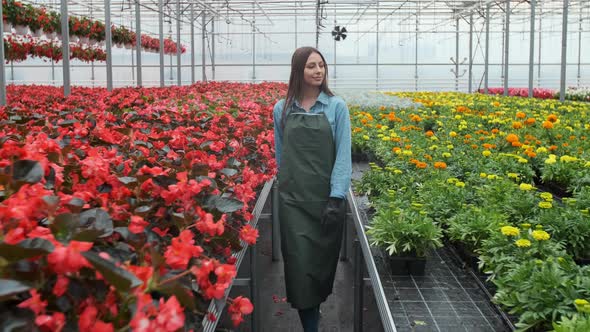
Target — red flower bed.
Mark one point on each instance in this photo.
(121, 210)
(523, 92)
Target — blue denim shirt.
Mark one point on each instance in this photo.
(337, 113)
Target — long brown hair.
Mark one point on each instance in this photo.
(295, 89)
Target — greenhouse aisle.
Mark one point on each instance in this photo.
(277, 315)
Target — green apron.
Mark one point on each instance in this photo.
(310, 256)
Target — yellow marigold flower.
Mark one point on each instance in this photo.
(446, 154)
(492, 177)
(542, 150)
(510, 231)
(523, 243)
(541, 235)
(550, 160)
(545, 205)
(397, 171)
(567, 159)
(365, 137)
(407, 152)
(525, 225)
(522, 160)
(450, 147)
(452, 180)
(581, 302)
(513, 175)
(460, 184)
(546, 196)
(452, 134)
(486, 153)
(385, 139)
(585, 211)
(525, 187)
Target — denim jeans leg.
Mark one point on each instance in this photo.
(310, 319)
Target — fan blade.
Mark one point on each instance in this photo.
(337, 28)
(337, 38)
(343, 36)
(334, 33)
(343, 30)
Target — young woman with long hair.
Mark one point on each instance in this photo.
(312, 142)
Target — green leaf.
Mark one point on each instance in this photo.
(10, 287)
(28, 171)
(224, 204)
(127, 179)
(122, 279)
(229, 172)
(97, 219)
(63, 226)
(183, 294)
(25, 249)
(233, 162)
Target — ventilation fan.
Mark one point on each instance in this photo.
(339, 33)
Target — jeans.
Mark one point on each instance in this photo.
(310, 319)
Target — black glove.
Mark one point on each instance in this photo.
(334, 213)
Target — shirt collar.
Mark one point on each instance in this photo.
(322, 98)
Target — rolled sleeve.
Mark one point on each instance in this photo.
(278, 131)
(342, 171)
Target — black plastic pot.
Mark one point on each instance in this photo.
(407, 265)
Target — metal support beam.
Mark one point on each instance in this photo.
(470, 84)
(457, 54)
(2, 72)
(532, 48)
(377, 50)
(213, 48)
(487, 52)
(203, 27)
(178, 45)
(65, 47)
(579, 48)
(416, 51)
(161, 36)
(253, 43)
(334, 75)
(193, 43)
(138, 40)
(108, 43)
(563, 51)
(540, 40)
(506, 47)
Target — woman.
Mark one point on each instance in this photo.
(312, 143)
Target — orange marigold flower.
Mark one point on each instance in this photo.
(395, 149)
(553, 148)
(440, 165)
(468, 136)
(520, 115)
(495, 130)
(429, 133)
(552, 118)
(487, 146)
(516, 144)
(547, 124)
(517, 125)
(421, 164)
(565, 144)
(529, 121)
(511, 138)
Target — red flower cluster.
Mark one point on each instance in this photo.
(121, 200)
(18, 49)
(239, 307)
(37, 18)
(540, 93)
